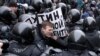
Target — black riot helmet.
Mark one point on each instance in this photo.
(23, 17)
(47, 3)
(89, 24)
(77, 39)
(73, 4)
(63, 8)
(37, 4)
(31, 10)
(93, 3)
(24, 33)
(6, 15)
(56, 1)
(74, 15)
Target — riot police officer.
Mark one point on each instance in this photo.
(7, 20)
(92, 34)
(74, 17)
(24, 44)
(77, 44)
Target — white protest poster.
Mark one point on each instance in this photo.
(59, 23)
(57, 19)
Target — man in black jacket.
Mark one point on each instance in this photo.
(46, 34)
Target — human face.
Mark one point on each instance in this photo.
(47, 31)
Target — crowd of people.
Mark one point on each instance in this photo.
(18, 38)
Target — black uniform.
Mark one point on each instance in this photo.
(77, 44)
(6, 22)
(23, 44)
(22, 50)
